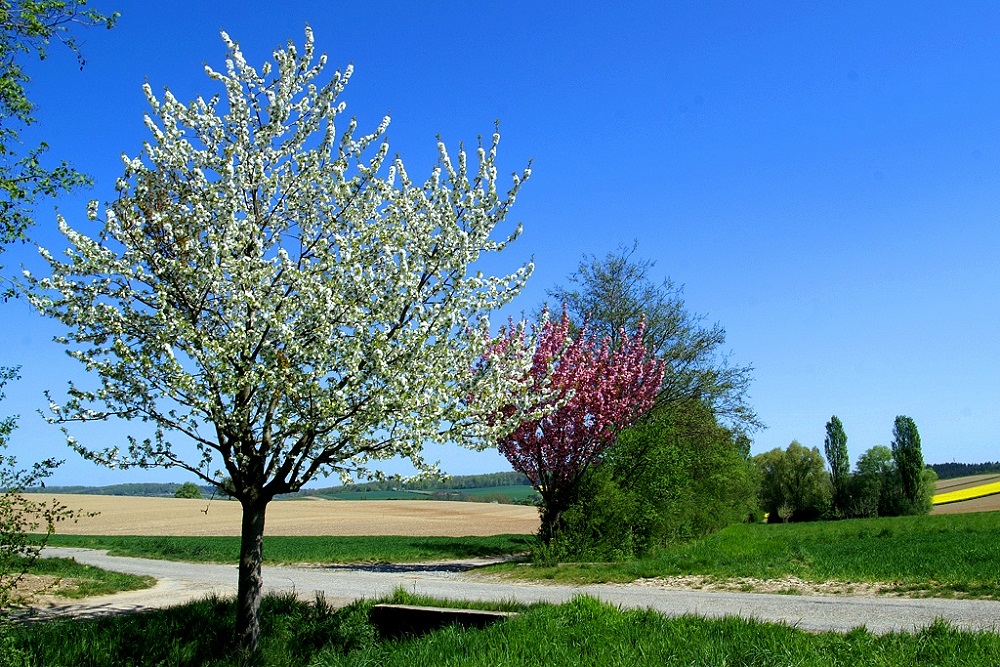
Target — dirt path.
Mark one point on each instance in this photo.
(181, 582)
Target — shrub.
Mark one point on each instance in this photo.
(676, 475)
(188, 490)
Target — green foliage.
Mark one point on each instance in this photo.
(795, 485)
(500, 487)
(675, 475)
(873, 485)
(915, 498)
(426, 483)
(324, 549)
(26, 29)
(606, 523)
(953, 470)
(146, 489)
(188, 490)
(835, 448)
(615, 294)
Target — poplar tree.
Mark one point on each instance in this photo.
(909, 464)
(835, 447)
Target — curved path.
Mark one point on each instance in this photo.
(180, 582)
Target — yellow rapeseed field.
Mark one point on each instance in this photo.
(967, 493)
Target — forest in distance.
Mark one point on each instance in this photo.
(447, 484)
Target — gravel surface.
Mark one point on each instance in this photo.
(182, 582)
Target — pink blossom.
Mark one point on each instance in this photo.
(596, 392)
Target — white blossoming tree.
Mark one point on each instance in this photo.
(276, 290)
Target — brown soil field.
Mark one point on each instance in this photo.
(985, 504)
(959, 483)
(131, 515)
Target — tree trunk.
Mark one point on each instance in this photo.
(251, 580)
(551, 511)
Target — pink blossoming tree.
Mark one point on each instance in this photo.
(591, 392)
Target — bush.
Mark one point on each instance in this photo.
(188, 490)
(795, 485)
(676, 475)
(876, 488)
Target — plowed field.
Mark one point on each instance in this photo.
(984, 504)
(130, 515)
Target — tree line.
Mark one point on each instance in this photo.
(886, 481)
(952, 470)
(447, 483)
(169, 489)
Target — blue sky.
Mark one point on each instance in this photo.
(825, 181)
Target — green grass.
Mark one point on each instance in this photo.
(74, 580)
(370, 495)
(939, 555)
(581, 632)
(279, 549)
(515, 492)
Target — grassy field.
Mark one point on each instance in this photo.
(285, 549)
(514, 492)
(933, 555)
(368, 495)
(582, 632)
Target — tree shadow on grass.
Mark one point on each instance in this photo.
(194, 634)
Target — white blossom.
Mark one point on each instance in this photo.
(268, 271)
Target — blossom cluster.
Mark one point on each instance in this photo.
(272, 286)
(594, 391)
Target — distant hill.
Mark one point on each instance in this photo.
(487, 480)
(498, 487)
(953, 470)
(152, 489)
(504, 487)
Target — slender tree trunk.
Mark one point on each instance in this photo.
(551, 511)
(251, 580)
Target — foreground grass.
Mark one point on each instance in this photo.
(938, 555)
(582, 632)
(279, 549)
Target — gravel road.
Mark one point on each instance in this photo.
(181, 582)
